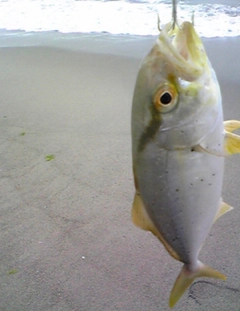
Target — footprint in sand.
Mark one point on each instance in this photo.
(203, 290)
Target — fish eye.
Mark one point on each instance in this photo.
(165, 98)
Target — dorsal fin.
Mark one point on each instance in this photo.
(224, 208)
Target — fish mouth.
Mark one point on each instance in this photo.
(183, 51)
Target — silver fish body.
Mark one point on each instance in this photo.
(181, 191)
(180, 187)
(178, 142)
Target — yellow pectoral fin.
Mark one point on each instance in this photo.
(231, 125)
(224, 208)
(141, 219)
(186, 277)
(232, 143)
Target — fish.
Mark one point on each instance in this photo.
(179, 144)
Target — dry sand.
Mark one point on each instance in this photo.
(67, 242)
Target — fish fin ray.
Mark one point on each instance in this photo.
(224, 208)
(186, 277)
(232, 143)
(141, 219)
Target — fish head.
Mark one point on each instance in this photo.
(177, 100)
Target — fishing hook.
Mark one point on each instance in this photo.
(159, 22)
(174, 13)
(193, 18)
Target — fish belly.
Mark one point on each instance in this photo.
(181, 192)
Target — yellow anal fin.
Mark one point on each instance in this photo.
(231, 125)
(141, 219)
(187, 276)
(224, 208)
(232, 143)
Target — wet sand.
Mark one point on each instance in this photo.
(67, 242)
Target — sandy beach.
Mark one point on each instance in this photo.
(67, 242)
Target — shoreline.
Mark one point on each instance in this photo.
(219, 49)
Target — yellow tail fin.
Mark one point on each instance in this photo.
(186, 277)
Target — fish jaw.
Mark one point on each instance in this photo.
(183, 50)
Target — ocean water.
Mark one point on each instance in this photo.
(212, 18)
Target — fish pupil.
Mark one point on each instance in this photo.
(166, 98)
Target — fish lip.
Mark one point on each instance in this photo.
(183, 40)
